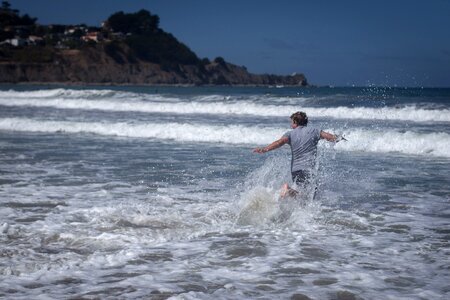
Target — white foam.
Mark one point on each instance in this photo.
(232, 134)
(411, 113)
(258, 206)
(57, 93)
(434, 144)
(158, 104)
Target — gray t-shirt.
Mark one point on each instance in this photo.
(303, 141)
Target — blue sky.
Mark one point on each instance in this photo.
(340, 43)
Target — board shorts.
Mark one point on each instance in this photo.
(301, 177)
(304, 179)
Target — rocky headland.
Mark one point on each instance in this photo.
(126, 49)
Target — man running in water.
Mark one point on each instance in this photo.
(303, 141)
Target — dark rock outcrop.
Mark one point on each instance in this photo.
(103, 64)
(129, 48)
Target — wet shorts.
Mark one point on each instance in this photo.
(301, 176)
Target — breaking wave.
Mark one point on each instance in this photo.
(242, 107)
(389, 141)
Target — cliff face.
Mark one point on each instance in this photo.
(129, 48)
(116, 64)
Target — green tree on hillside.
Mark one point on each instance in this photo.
(150, 43)
(11, 17)
(142, 22)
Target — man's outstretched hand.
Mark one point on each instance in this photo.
(259, 150)
(340, 138)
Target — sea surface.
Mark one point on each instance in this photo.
(155, 193)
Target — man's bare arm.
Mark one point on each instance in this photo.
(328, 136)
(273, 146)
(331, 137)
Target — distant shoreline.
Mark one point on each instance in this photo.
(91, 84)
(78, 84)
(127, 49)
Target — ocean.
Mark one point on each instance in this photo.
(155, 193)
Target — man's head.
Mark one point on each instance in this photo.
(299, 119)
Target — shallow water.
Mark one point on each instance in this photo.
(114, 193)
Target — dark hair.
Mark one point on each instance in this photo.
(300, 118)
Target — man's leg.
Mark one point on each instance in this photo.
(299, 178)
(287, 191)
